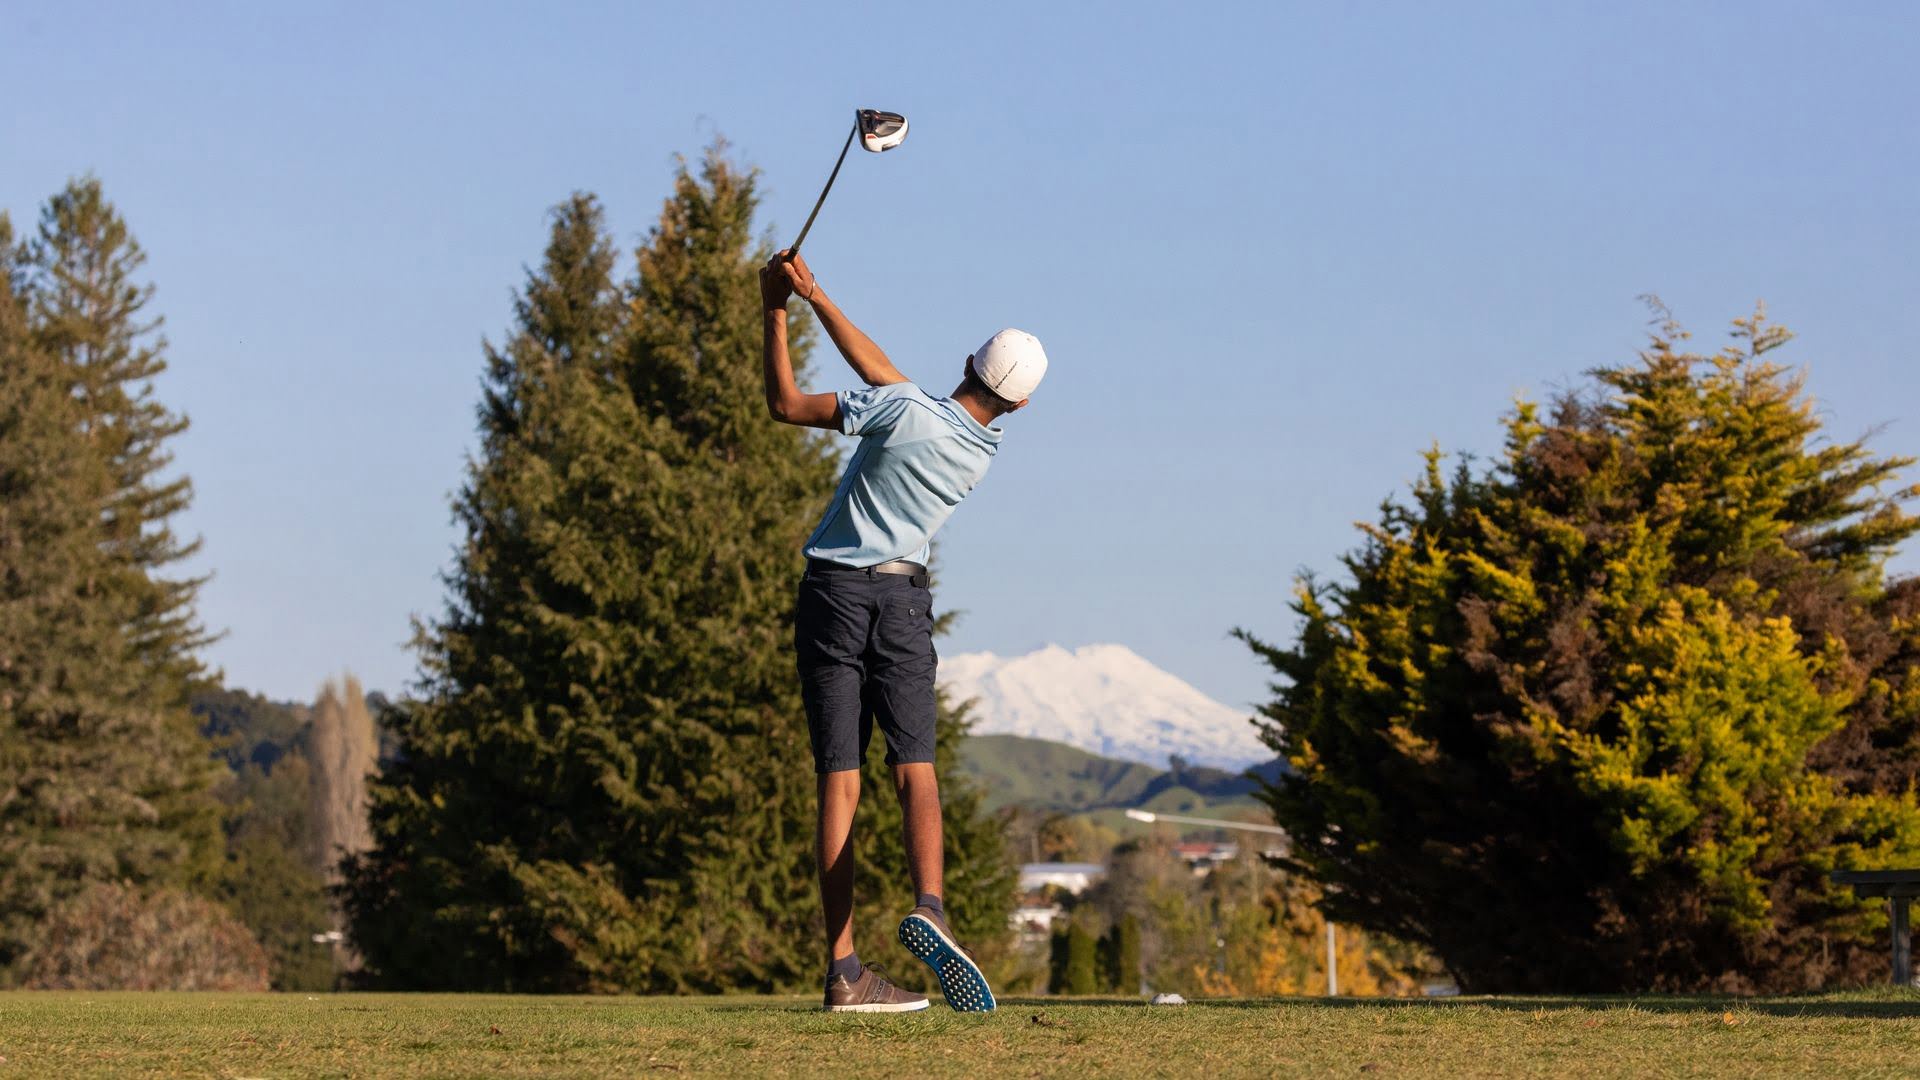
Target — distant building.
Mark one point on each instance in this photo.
(1074, 877)
(1033, 922)
(1205, 855)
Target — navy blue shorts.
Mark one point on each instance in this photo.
(865, 645)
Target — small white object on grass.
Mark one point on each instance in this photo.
(1167, 999)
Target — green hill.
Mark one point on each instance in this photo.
(1042, 775)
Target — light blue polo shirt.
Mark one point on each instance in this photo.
(918, 456)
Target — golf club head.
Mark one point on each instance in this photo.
(878, 131)
(881, 131)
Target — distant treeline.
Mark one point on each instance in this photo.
(295, 802)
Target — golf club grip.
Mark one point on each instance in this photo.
(841, 160)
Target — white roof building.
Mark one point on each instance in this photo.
(1071, 876)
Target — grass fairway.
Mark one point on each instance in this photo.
(283, 1035)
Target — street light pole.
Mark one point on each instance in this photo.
(1333, 966)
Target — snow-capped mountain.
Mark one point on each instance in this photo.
(1105, 699)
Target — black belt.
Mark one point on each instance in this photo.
(903, 567)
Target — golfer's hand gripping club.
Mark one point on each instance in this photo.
(799, 275)
(775, 284)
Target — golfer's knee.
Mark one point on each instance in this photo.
(914, 777)
(840, 785)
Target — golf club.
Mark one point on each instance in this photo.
(878, 131)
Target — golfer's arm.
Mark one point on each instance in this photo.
(868, 361)
(785, 402)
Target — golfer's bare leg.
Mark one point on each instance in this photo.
(920, 818)
(924, 931)
(833, 848)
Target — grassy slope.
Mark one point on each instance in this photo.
(1053, 776)
(87, 1034)
(1050, 775)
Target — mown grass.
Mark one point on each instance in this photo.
(286, 1035)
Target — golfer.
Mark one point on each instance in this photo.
(864, 625)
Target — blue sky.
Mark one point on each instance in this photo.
(1274, 250)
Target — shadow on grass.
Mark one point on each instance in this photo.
(1887, 1005)
(1883, 1004)
(939, 1006)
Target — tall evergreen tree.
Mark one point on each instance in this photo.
(102, 775)
(603, 783)
(90, 314)
(478, 777)
(1604, 717)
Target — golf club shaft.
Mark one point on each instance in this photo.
(795, 249)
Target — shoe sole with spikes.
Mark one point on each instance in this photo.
(961, 981)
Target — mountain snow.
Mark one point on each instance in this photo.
(1105, 699)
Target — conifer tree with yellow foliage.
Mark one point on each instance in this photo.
(1604, 716)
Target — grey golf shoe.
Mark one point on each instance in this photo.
(870, 993)
(962, 983)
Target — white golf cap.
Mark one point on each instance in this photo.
(1011, 363)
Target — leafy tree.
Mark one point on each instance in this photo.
(102, 777)
(1241, 928)
(112, 936)
(342, 755)
(603, 783)
(1276, 946)
(1605, 715)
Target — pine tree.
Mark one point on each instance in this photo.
(491, 774)
(102, 775)
(1600, 718)
(89, 313)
